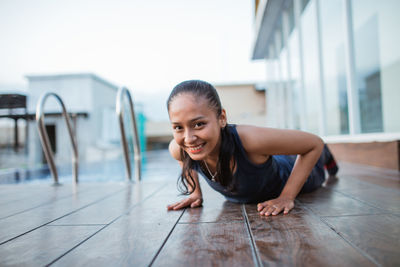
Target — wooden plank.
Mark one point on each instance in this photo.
(347, 183)
(378, 236)
(377, 179)
(207, 244)
(326, 202)
(383, 177)
(106, 210)
(30, 197)
(43, 245)
(300, 238)
(215, 209)
(355, 169)
(214, 212)
(132, 240)
(10, 193)
(385, 200)
(21, 223)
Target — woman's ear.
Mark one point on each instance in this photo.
(222, 118)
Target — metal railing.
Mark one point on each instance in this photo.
(136, 147)
(44, 138)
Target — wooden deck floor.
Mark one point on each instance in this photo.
(355, 222)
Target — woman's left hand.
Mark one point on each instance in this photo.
(275, 206)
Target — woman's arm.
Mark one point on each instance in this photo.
(260, 143)
(195, 198)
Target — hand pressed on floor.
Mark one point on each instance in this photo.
(192, 201)
(275, 206)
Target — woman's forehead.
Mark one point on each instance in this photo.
(184, 95)
(188, 106)
(187, 101)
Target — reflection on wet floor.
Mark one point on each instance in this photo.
(154, 163)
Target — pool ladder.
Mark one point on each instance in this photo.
(44, 138)
(123, 91)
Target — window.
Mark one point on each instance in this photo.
(311, 67)
(377, 60)
(332, 39)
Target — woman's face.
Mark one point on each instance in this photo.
(195, 126)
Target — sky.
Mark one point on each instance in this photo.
(148, 46)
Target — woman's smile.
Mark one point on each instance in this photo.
(196, 128)
(195, 149)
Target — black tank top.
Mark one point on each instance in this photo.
(253, 182)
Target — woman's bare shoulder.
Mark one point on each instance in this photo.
(174, 150)
(250, 138)
(249, 135)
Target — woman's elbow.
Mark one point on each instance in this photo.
(319, 145)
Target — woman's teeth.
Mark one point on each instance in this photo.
(195, 149)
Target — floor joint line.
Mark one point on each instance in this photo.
(363, 253)
(105, 226)
(222, 222)
(69, 213)
(166, 239)
(252, 241)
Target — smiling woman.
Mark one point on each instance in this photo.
(199, 124)
(246, 164)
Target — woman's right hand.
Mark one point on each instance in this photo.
(193, 201)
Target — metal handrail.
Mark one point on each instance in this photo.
(44, 138)
(136, 146)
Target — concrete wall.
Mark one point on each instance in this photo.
(243, 104)
(379, 154)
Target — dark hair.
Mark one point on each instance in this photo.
(225, 177)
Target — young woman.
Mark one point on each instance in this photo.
(246, 164)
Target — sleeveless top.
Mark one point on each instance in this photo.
(256, 183)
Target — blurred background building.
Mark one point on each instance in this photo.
(334, 70)
(91, 100)
(149, 46)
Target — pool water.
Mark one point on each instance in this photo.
(155, 164)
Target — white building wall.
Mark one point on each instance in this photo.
(75, 92)
(104, 117)
(81, 93)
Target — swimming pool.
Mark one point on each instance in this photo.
(155, 164)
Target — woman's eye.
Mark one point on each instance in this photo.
(177, 128)
(199, 124)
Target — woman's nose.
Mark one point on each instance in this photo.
(189, 137)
